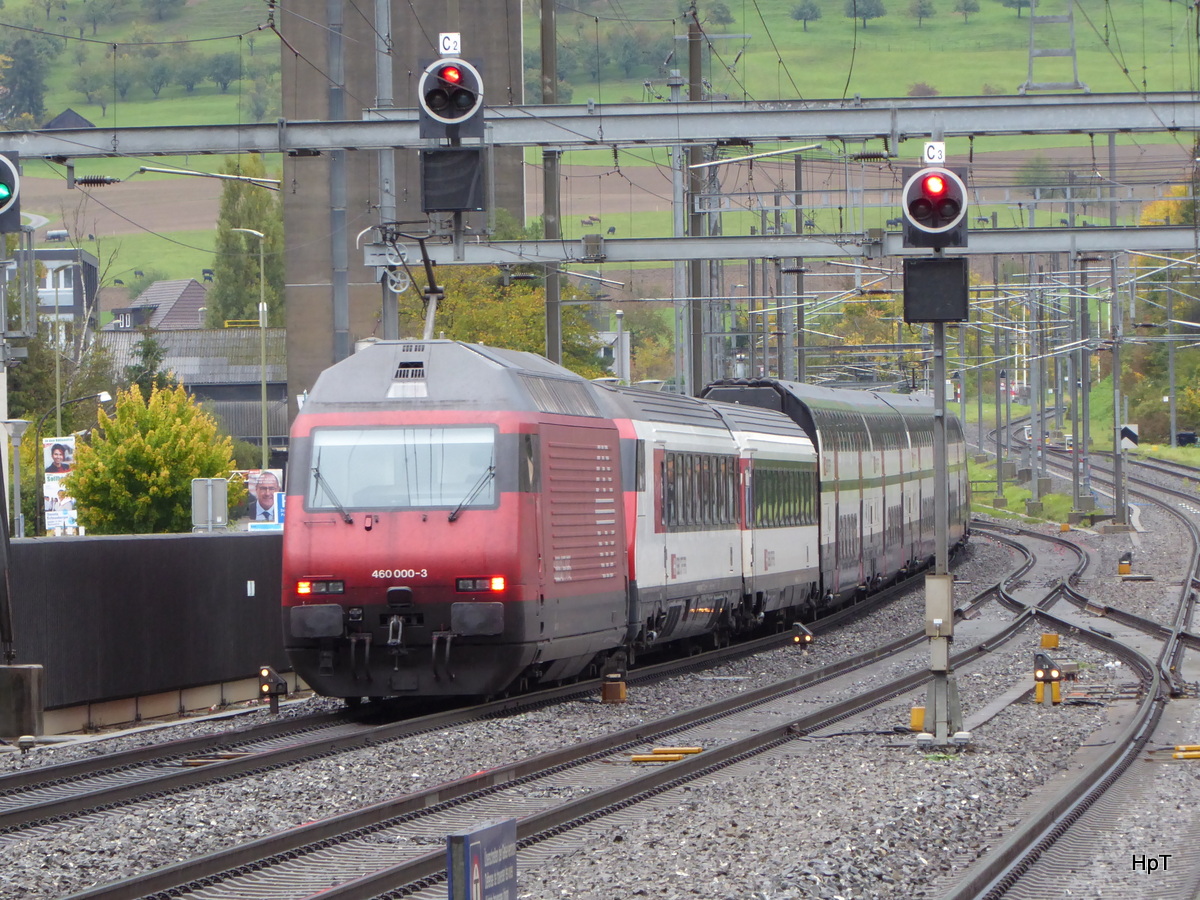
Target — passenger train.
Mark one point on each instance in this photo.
(463, 520)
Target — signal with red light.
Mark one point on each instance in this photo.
(450, 95)
(934, 208)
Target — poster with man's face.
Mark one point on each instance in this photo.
(262, 485)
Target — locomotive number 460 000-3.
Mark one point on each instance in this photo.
(400, 573)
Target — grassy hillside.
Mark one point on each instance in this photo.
(764, 53)
(610, 50)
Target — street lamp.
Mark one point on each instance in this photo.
(16, 430)
(262, 333)
(102, 397)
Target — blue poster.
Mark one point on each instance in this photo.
(481, 864)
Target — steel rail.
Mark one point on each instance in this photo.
(1002, 867)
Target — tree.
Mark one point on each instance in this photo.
(92, 81)
(191, 70)
(32, 393)
(922, 10)
(224, 69)
(480, 308)
(1042, 179)
(142, 42)
(31, 385)
(135, 476)
(25, 80)
(628, 50)
(966, 7)
(719, 14)
(125, 73)
(865, 9)
(651, 329)
(99, 12)
(157, 75)
(1018, 5)
(163, 9)
(146, 374)
(260, 101)
(806, 11)
(235, 293)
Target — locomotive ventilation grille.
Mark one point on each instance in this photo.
(557, 395)
(407, 371)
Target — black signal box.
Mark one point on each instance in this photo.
(936, 290)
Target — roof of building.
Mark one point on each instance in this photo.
(68, 118)
(208, 356)
(176, 305)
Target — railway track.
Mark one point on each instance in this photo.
(385, 850)
(1078, 822)
(412, 844)
(41, 797)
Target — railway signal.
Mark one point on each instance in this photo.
(272, 686)
(1047, 672)
(450, 95)
(10, 192)
(934, 208)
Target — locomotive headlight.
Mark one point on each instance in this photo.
(320, 587)
(491, 583)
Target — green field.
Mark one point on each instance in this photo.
(1120, 47)
(179, 254)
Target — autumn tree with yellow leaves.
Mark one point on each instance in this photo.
(1164, 291)
(135, 474)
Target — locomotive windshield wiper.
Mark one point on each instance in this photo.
(483, 479)
(324, 485)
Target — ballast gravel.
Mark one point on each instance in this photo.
(856, 813)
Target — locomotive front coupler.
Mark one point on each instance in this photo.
(395, 640)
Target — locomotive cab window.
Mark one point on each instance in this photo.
(413, 468)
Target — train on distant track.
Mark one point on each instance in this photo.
(466, 521)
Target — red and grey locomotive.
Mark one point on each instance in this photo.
(463, 520)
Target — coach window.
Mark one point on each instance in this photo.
(669, 492)
(689, 485)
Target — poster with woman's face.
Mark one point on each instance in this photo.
(58, 454)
